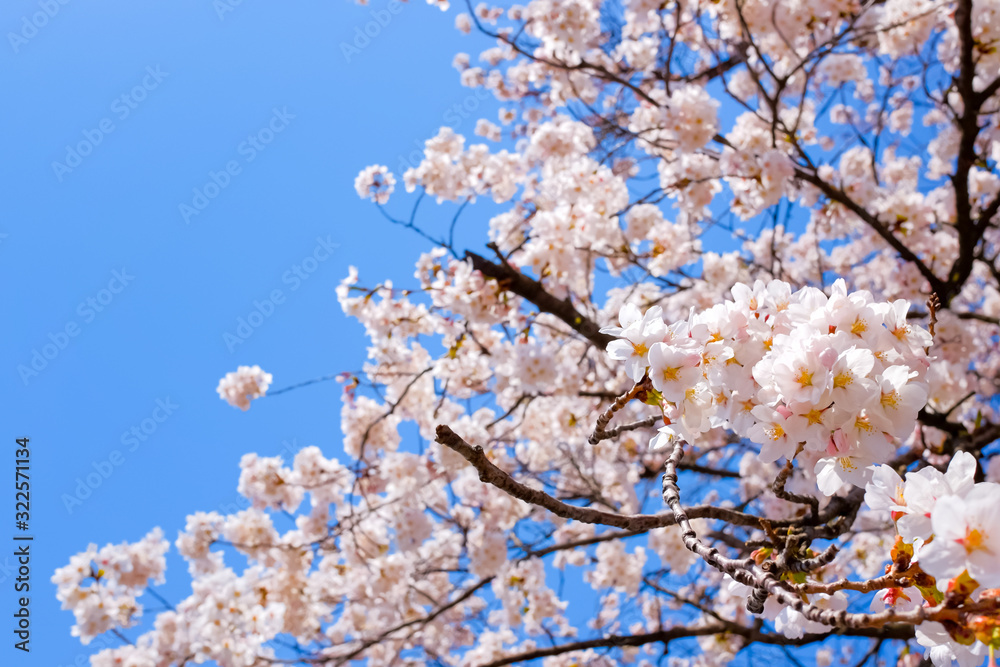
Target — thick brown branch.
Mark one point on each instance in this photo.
(839, 196)
(491, 474)
(530, 289)
(969, 232)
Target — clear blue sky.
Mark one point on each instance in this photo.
(198, 85)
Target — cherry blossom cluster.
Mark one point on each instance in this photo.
(229, 618)
(375, 183)
(205, 626)
(449, 171)
(685, 121)
(241, 387)
(102, 586)
(566, 29)
(842, 377)
(952, 525)
(951, 520)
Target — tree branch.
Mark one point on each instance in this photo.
(493, 475)
(512, 280)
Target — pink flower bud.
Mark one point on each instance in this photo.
(837, 443)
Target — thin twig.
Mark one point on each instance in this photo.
(599, 433)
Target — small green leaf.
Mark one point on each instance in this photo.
(653, 397)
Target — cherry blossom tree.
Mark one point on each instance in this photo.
(727, 363)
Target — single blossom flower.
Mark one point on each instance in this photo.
(637, 334)
(966, 537)
(673, 370)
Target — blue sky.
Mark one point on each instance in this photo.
(98, 246)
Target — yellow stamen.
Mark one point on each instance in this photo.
(814, 416)
(862, 424)
(842, 380)
(973, 540)
(890, 400)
